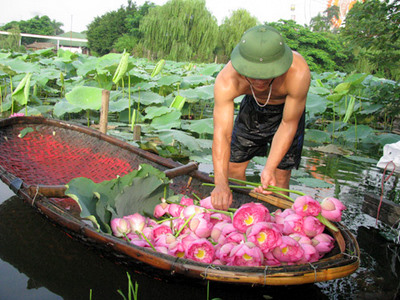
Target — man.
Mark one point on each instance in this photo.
(275, 81)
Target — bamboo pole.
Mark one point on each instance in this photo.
(105, 99)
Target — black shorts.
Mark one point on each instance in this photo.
(254, 130)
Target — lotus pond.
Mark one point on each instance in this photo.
(349, 119)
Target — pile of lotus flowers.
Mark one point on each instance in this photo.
(248, 236)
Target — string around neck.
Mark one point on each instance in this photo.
(254, 96)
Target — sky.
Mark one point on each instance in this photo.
(77, 14)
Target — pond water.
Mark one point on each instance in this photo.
(40, 261)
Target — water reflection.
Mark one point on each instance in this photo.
(40, 261)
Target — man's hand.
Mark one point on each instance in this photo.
(267, 179)
(221, 197)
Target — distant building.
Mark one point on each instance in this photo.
(73, 45)
(40, 46)
(73, 41)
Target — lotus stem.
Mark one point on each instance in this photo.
(184, 225)
(147, 240)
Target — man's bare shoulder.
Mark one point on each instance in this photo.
(298, 77)
(229, 81)
(299, 68)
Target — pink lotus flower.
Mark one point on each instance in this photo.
(137, 240)
(190, 210)
(206, 203)
(217, 230)
(279, 216)
(161, 249)
(120, 227)
(136, 221)
(226, 230)
(188, 238)
(160, 210)
(223, 251)
(164, 240)
(147, 232)
(266, 235)
(201, 225)
(235, 236)
(301, 238)
(175, 210)
(323, 243)
(187, 201)
(219, 217)
(249, 214)
(289, 251)
(16, 115)
(332, 209)
(270, 259)
(181, 243)
(306, 206)
(292, 223)
(217, 262)
(246, 254)
(177, 248)
(201, 250)
(312, 226)
(161, 230)
(310, 254)
(178, 223)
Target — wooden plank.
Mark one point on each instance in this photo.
(389, 212)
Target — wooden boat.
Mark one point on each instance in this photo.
(38, 156)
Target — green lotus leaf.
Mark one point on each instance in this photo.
(85, 97)
(317, 136)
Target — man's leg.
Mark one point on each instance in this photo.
(238, 170)
(283, 178)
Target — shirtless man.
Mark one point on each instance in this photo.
(275, 81)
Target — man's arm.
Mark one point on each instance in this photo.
(221, 196)
(298, 85)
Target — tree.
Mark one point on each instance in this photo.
(372, 31)
(130, 41)
(11, 42)
(321, 50)
(117, 30)
(180, 30)
(37, 25)
(231, 30)
(323, 23)
(104, 31)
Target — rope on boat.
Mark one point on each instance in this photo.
(265, 274)
(37, 192)
(211, 267)
(382, 187)
(315, 271)
(350, 256)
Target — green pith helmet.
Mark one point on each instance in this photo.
(261, 53)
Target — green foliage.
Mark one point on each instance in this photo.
(174, 107)
(319, 49)
(384, 94)
(85, 97)
(37, 25)
(180, 30)
(230, 32)
(137, 192)
(125, 42)
(104, 31)
(11, 41)
(372, 32)
(117, 30)
(322, 23)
